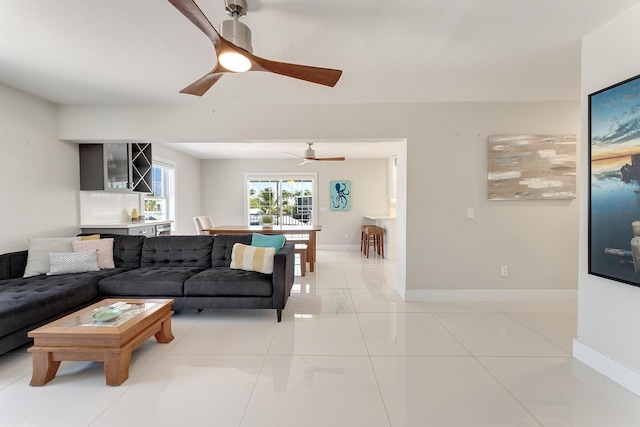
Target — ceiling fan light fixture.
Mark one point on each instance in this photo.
(235, 62)
(235, 54)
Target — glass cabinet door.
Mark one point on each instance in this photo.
(117, 165)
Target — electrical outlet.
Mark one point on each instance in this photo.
(471, 213)
(346, 235)
(504, 270)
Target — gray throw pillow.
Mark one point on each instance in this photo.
(38, 255)
(73, 262)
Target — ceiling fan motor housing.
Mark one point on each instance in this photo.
(310, 153)
(237, 33)
(233, 30)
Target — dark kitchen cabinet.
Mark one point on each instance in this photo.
(116, 167)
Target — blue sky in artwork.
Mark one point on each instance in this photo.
(615, 114)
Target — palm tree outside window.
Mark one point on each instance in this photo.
(288, 200)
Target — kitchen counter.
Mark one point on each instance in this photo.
(126, 224)
(145, 228)
(379, 217)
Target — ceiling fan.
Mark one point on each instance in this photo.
(234, 53)
(310, 156)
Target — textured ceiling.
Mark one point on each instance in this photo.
(145, 51)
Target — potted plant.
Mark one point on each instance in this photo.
(267, 221)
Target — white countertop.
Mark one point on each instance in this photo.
(126, 224)
(376, 217)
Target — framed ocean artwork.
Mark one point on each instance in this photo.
(614, 190)
(340, 193)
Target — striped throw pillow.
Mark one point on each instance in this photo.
(252, 258)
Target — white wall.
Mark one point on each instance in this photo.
(39, 177)
(453, 257)
(442, 172)
(608, 312)
(223, 192)
(188, 187)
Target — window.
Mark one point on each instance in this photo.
(288, 199)
(160, 204)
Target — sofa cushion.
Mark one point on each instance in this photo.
(90, 237)
(148, 281)
(12, 264)
(174, 251)
(245, 257)
(39, 248)
(127, 250)
(222, 281)
(104, 248)
(223, 247)
(275, 241)
(72, 262)
(29, 301)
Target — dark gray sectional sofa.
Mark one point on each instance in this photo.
(193, 270)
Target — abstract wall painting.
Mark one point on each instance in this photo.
(532, 167)
(340, 192)
(614, 190)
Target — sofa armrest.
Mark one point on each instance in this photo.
(12, 265)
(283, 274)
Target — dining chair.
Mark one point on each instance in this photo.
(202, 222)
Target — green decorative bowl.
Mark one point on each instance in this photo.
(106, 314)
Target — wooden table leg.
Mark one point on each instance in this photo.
(116, 366)
(44, 368)
(312, 251)
(164, 335)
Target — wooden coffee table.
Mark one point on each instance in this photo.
(78, 337)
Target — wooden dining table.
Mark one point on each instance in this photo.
(308, 230)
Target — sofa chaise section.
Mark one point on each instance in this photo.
(27, 303)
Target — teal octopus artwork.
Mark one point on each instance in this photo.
(340, 195)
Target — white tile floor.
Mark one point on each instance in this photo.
(349, 352)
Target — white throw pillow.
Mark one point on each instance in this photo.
(104, 247)
(38, 256)
(73, 262)
(252, 258)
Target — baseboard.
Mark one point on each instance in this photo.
(481, 295)
(338, 247)
(614, 370)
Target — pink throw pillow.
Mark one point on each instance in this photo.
(104, 247)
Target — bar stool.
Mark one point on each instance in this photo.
(362, 239)
(301, 249)
(374, 236)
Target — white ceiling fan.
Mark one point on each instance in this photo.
(310, 156)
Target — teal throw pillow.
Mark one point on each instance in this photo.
(268, 241)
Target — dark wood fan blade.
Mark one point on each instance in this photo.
(332, 159)
(323, 76)
(191, 10)
(203, 84)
